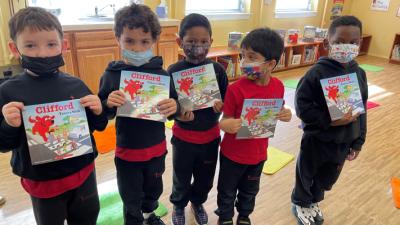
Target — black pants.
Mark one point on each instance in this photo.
(140, 185)
(318, 167)
(237, 182)
(197, 161)
(79, 206)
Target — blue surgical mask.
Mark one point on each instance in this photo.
(137, 58)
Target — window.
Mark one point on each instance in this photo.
(295, 8)
(213, 9)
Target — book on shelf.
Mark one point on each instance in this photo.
(296, 59)
(396, 52)
(227, 63)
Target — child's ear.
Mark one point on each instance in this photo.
(64, 45)
(117, 39)
(178, 41)
(325, 44)
(13, 49)
(271, 65)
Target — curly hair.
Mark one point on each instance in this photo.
(137, 16)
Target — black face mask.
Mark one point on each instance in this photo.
(42, 66)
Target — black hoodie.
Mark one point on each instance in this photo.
(32, 90)
(311, 106)
(133, 133)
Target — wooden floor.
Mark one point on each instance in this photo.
(361, 196)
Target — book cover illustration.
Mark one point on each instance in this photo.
(197, 87)
(142, 92)
(341, 94)
(259, 118)
(56, 131)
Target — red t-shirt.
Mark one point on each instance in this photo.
(141, 155)
(196, 137)
(247, 151)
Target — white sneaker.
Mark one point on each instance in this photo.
(303, 215)
(317, 214)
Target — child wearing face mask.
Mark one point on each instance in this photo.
(242, 160)
(196, 135)
(65, 189)
(141, 145)
(326, 144)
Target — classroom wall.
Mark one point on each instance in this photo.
(381, 25)
(4, 34)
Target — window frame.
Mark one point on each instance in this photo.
(228, 14)
(310, 11)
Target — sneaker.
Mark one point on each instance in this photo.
(225, 222)
(243, 220)
(153, 220)
(178, 216)
(200, 215)
(303, 215)
(317, 214)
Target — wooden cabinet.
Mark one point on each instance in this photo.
(169, 52)
(394, 53)
(92, 63)
(90, 51)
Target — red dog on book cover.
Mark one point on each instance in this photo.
(185, 84)
(42, 125)
(252, 114)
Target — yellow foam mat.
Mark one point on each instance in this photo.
(169, 124)
(277, 159)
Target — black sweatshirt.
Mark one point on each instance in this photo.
(204, 119)
(312, 109)
(32, 90)
(133, 133)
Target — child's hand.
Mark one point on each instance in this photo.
(186, 116)
(284, 115)
(218, 106)
(347, 118)
(167, 107)
(93, 102)
(12, 113)
(115, 99)
(231, 125)
(352, 155)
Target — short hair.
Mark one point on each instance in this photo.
(344, 21)
(194, 20)
(266, 42)
(137, 16)
(35, 18)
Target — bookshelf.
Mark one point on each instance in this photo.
(395, 58)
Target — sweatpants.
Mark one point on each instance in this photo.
(238, 185)
(140, 185)
(197, 161)
(79, 206)
(317, 169)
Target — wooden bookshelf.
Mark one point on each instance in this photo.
(366, 42)
(395, 42)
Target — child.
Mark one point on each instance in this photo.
(325, 145)
(60, 190)
(241, 161)
(141, 145)
(196, 135)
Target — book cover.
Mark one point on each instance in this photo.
(197, 87)
(258, 118)
(56, 131)
(142, 92)
(341, 94)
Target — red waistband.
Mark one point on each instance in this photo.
(52, 188)
(196, 137)
(141, 155)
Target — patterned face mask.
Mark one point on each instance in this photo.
(195, 53)
(252, 70)
(343, 53)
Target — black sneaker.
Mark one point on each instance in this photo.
(153, 220)
(303, 215)
(200, 215)
(225, 222)
(178, 216)
(317, 214)
(243, 220)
